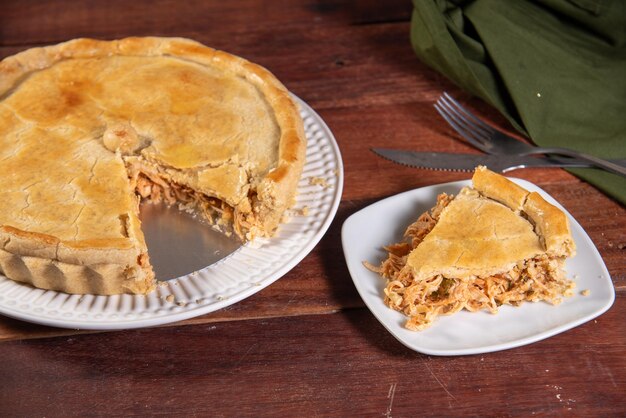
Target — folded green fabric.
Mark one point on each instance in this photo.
(555, 68)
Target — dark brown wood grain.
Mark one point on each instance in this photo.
(320, 365)
(306, 344)
(36, 22)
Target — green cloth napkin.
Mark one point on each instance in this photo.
(555, 68)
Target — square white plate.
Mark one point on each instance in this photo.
(382, 223)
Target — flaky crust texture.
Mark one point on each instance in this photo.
(550, 223)
(275, 192)
(508, 225)
(475, 236)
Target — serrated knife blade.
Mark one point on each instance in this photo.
(468, 162)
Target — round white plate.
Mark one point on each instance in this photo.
(243, 273)
(365, 232)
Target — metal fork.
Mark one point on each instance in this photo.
(492, 141)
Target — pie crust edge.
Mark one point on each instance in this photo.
(550, 223)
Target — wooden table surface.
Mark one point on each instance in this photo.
(306, 345)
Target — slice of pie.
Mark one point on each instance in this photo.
(493, 244)
(88, 127)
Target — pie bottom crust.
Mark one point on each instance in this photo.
(100, 279)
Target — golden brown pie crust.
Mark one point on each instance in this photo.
(74, 115)
(481, 232)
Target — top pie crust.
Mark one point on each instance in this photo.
(488, 229)
(75, 116)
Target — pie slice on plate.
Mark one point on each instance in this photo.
(493, 244)
(88, 127)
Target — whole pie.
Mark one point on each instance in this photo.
(492, 244)
(89, 127)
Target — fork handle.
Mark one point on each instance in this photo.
(594, 161)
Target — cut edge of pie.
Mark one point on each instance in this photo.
(493, 244)
(121, 265)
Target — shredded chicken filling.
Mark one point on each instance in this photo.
(155, 189)
(541, 278)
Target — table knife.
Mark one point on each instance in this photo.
(468, 162)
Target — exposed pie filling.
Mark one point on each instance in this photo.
(154, 187)
(422, 293)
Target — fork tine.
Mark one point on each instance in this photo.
(467, 134)
(462, 109)
(468, 125)
(479, 140)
